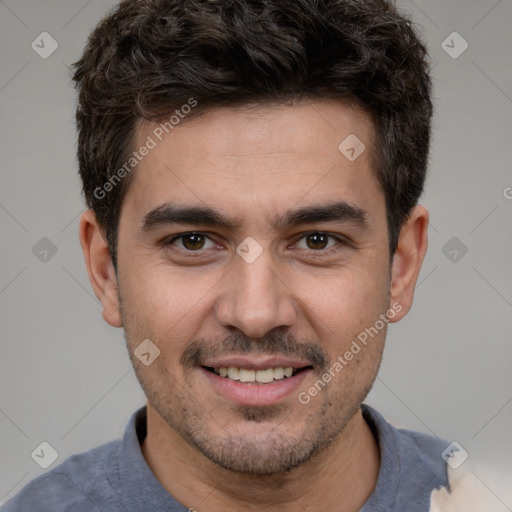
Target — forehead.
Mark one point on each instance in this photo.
(269, 155)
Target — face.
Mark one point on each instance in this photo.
(252, 253)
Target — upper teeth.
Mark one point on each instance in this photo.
(261, 376)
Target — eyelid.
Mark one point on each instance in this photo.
(173, 238)
(340, 239)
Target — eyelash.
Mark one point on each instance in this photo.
(315, 253)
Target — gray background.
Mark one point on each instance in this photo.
(65, 377)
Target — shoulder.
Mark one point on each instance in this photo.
(424, 449)
(413, 452)
(469, 493)
(411, 466)
(83, 482)
(426, 473)
(459, 486)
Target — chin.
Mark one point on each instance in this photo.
(261, 442)
(258, 455)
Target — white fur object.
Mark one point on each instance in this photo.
(468, 494)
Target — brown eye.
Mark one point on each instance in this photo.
(193, 242)
(317, 241)
(320, 242)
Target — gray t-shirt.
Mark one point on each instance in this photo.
(116, 478)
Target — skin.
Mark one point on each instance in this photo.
(253, 165)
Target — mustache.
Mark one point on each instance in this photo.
(275, 343)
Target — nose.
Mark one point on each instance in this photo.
(255, 298)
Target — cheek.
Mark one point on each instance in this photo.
(345, 301)
(166, 304)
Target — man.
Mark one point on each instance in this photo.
(253, 171)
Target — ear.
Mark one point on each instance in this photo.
(100, 268)
(407, 261)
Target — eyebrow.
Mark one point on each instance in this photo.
(340, 211)
(168, 214)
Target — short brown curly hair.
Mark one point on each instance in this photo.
(149, 57)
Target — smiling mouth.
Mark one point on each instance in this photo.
(251, 376)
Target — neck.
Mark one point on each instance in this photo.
(340, 478)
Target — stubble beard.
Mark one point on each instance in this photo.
(275, 449)
(266, 451)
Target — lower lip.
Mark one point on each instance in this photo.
(254, 394)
